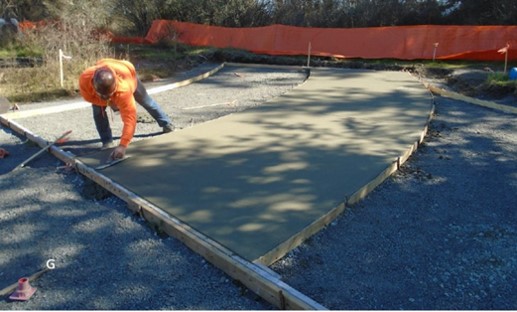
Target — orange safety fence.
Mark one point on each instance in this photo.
(28, 25)
(24, 25)
(397, 42)
(130, 40)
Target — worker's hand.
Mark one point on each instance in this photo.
(118, 153)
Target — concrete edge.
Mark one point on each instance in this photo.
(84, 104)
(259, 280)
(297, 239)
(273, 66)
(254, 276)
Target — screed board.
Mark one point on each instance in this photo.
(253, 179)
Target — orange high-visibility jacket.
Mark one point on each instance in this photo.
(123, 99)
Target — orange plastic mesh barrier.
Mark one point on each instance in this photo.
(28, 25)
(399, 42)
(130, 40)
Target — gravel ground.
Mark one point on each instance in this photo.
(438, 234)
(105, 258)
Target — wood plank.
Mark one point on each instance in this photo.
(360, 194)
(46, 110)
(185, 82)
(82, 104)
(255, 278)
(467, 99)
(271, 171)
(262, 282)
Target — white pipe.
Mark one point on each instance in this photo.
(309, 55)
(61, 67)
(61, 74)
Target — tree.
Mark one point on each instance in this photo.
(230, 13)
(33, 10)
(481, 12)
(130, 17)
(417, 12)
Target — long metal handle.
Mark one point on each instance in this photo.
(44, 149)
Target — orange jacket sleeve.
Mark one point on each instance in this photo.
(123, 98)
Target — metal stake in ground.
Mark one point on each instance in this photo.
(32, 278)
(64, 135)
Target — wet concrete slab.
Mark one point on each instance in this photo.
(254, 179)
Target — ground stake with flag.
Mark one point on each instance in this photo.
(504, 51)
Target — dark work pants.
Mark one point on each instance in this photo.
(141, 97)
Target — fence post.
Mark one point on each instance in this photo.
(434, 51)
(61, 67)
(61, 74)
(309, 55)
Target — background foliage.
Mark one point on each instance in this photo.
(134, 17)
(79, 29)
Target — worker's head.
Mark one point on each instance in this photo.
(104, 82)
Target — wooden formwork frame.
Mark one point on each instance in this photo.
(255, 277)
(467, 99)
(84, 104)
(294, 241)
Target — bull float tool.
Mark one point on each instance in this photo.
(111, 162)
(60, 139)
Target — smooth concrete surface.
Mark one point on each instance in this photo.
(253, 179)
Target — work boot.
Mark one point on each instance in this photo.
(168, 128)
(107, 145)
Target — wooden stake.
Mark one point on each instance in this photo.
(260, 281)
(505, 60)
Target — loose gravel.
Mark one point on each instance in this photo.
(438, 234)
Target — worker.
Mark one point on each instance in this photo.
(115, 83)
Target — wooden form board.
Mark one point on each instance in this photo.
(258, 181)
(257, 278)
(254, 276)
(82, 104)
(332, 214)
(467, 99)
